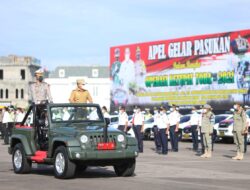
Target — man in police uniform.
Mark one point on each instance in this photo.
(39, 90)
(122, 119)
(239, 129)
(207, 123)
(138, 122)
(163, 126)
(80, 95)
(157, 139)
(174, 120)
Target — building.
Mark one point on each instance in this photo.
(63, 80)
(16, 73)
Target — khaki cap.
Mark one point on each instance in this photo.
(207, 106)
(80, 81)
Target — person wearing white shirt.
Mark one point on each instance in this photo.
(7, 121)
(122, 119)
(174, 120)
(105, 112)
(163, 124)
(138, 122)
(19, 115)
(66, 114)
(194, 122)
(156, 130)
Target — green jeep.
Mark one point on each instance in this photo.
(70, 137)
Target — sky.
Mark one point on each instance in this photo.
(81, 32)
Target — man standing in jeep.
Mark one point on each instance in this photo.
(39, 90)
(80, 95)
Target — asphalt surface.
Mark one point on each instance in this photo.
(182, 170)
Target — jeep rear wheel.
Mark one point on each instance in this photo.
(125, 169)
(20, 163)
(63, 167)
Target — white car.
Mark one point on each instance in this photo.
(225, 129)
(148, 126)
(184, 122)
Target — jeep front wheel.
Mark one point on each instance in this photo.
(63, 167)
(20, 163)
(126, 168)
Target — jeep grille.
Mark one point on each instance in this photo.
(95, 139)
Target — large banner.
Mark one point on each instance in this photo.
(213, 68)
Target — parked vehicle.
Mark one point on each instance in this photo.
(184, 123)
(71, 137)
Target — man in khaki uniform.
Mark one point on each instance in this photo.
(80, 95)
(207, 123)
(239, 129)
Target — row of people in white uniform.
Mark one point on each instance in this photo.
(165, 125)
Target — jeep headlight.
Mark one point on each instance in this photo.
(120, 138)
(84, 139)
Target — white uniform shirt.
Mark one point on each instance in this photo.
(6, 117)
(163, 121)
(123, 118)
(194, 119)
(174, 118)
(138, 118)
(19, 117)
(157, 117)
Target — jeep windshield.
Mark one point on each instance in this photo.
(75, 114)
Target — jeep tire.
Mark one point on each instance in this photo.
(126, 168)
(63, 167)
(20, 163)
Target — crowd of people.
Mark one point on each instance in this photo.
(202, 120)
(8, 116)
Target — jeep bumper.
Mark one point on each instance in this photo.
(77, 153)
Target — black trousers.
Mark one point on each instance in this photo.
(8, 132)
(164, 140)
(121, 127)
(157, 139)
(1, 129)
(245, 143)
(194, 132)
(139, 136)
(174, 138)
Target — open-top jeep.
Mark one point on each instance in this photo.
(70, 137)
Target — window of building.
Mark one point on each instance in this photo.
(6, 93)
(61, 73)
(22, 74)
(95, 73)
(22, 93)
(1, 74)
(16, 93)
(1, 93)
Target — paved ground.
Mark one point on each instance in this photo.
(183, 170)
